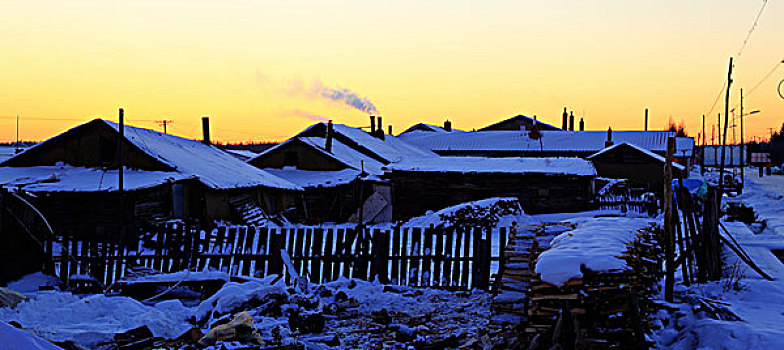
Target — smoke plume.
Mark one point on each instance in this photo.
(346, 96)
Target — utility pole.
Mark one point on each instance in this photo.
(164, 123)
(120, 187)
(17, 134)
(702, 158)
(724, 137)
(742, 145)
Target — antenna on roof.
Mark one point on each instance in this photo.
(164, 123)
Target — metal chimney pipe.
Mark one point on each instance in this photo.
(609, 141)
(390, 130)
(372, 125)
(571, 121)
(328, 143)
(646, 119)
(205, 130)
(565, 119)
(380, 131)
(582, 125)
(447, 125)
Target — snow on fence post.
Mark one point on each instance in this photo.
(438, 256)
(416, 256)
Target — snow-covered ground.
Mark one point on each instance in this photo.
(751, 308)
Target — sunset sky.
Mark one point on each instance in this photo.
(261, 69)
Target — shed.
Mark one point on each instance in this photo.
(542, 185)
(74, 179)
(643, 168)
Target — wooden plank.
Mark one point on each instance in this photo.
(299, 245)
(427, 252)
(380, 249)
(404, 259)
(277, 241)
(328, 255)
(262, 248)
(464, 274)
(231, 248)
(317, 254)
(339, 268)
(438, 256)
(416, 257)
(456, 253)
(65, 260)
(448, 254)
(361, 254)
(395, 269)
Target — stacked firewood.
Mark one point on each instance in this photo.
(601, 309)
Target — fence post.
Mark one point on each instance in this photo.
(669, 250)
(381, 255)
(275, 245)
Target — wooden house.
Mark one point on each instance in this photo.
(641, 167)
(506, 143)
(542, 185)
(520, 122)
(339, 168)
(74, 177)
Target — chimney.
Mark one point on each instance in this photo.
(205, 129)
(582, 125)
(372, 125)
(380, 131)
(646, 119)
(565, 119)
(328, 143)
(447, 125)
(609, 141)
(390, 129)
(571, 121)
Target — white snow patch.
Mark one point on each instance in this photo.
(596, 244)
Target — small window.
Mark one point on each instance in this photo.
(290, 158)
(107, 151)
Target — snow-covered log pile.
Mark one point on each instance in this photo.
(592, 286)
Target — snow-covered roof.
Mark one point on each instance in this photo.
(551, 141)
(643, 150)
(67, 178)
(242, 154)
(436, 218)
(308, 178)
(427, 128)
(522, 118)
(346, 155)
(212, 166)
(516, 165)
(390, 148)
(207, 163)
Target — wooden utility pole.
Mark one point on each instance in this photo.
(669, 236)
(702, 158)
(724, 136)
(742, 146)
(120, 186)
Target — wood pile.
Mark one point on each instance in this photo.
(600, 310)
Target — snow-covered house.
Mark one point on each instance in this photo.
(339, 167)
(641, 167)
(541, 184)
(73, 178)
(520, 122)
(507, 143)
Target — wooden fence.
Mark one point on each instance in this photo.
(431, 257)
(636, 204)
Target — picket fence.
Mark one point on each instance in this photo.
(457, 259)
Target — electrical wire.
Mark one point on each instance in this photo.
(753, 26)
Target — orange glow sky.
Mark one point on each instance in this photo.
(251, 65)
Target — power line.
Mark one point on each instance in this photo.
(753, 26)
